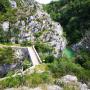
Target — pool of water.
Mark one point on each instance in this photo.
(69, 53)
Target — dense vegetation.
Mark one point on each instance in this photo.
(5, 36)
(45, 52)
(73, 16)
(6, 12)
(32, 80)
(64, 66)
(6, 56)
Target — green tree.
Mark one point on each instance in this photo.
(83, 58)
(6, 56)
(73, 15)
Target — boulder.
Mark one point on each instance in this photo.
(83, 86)
(69, 78)
(13, 3)
(5, 25)
(54, 87)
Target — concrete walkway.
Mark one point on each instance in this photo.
(34, 56)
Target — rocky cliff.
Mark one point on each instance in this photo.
(33, 24)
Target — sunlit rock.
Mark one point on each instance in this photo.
(69, 78)
(13, 40)
(5, 26)
(13, 3)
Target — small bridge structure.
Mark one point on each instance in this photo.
(31, 51)
(35, 59)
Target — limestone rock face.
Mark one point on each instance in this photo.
(71, 81)
(4, 69)
(69, 78)
(5, 26)
(84, 43)
(34, 24)
(13, 3)
(20, 53)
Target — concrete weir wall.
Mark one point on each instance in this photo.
(20, 54)
(29, 52)
(34, 56)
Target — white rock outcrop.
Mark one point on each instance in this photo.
(5, 25)
(69, 78)
(13, 3)
(40, 23)
(72, 82)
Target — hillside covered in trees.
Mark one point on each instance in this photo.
(73, 15)
(60, 33)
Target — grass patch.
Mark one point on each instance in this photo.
(42, 67)
(32, 80)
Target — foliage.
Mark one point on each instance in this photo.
(10, 15)
(26, 43)
(6, 56)
(32, 80)
(65, 66)
(10, 82)
(10, 73)
(2, 8)
(45, 52)
(5, 3)
(41, 67)
(36, 79)
(5, 36)
(86, 65)
(83, 58)
(6, 12)
(43, 47)
(73, 16)
(49, 58)
(38, 34)
(26, 64)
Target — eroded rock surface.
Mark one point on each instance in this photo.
(34, 24)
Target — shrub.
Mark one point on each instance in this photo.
(73, 15)
(36, 79)
(83, 58)
(10, 82)
(6, 12)
(63, 67)
(38, 34)
(26, 64)
(6, 56)
(43, 47)
(26, 43)
(49, 59)
(86, 65)
(32, 80)
(10, 73)
(5, 3)
(2, 8)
